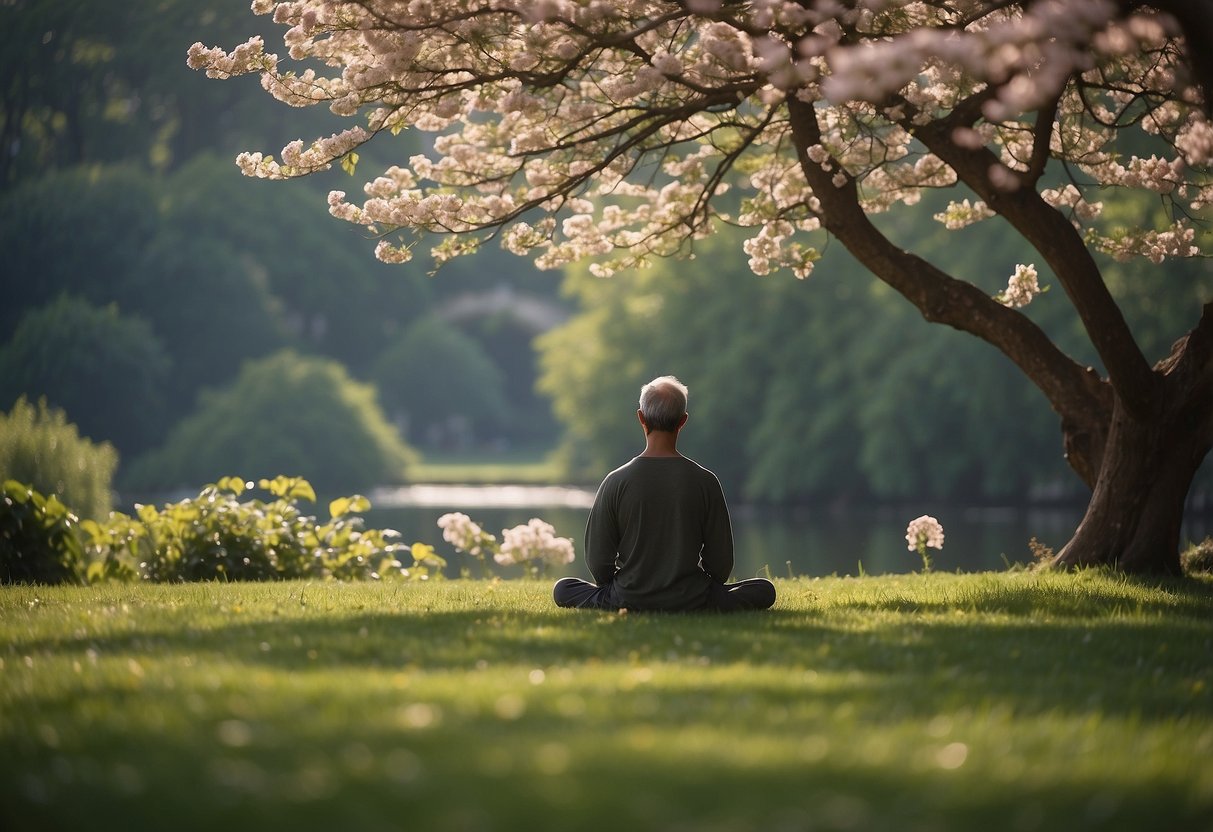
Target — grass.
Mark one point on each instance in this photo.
(1013, 701)
(521, 467)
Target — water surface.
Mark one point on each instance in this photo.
(783, 541)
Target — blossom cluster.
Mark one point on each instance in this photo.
(535, 542)
(608, 130)
(1022, 287)
(466, 536)
(963, 213)
(924, 531)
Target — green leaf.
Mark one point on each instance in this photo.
(339, 507)
(289, 487)
(349, 162)
(424, 555)
(302, 489)
(236, 485)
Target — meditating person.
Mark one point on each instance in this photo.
(659, 536)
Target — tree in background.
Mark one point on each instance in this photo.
(626, 131)
(94, 362)
(83, 82)
(439, 385)
(39, 447)
(796, 396)
(329, 295)
(284, 414)
(105, 235)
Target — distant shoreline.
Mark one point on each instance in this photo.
(482, 496)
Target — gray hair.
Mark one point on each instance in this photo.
(663, 402)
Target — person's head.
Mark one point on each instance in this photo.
(663, 404)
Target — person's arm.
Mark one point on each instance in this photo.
(717, 555)
(602, 537)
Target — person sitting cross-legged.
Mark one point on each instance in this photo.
(659, 535)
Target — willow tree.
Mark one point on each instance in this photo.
(623, 131)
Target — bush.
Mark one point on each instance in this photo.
(38, 539)
(288, 413)
(215, 536)
(40, 448)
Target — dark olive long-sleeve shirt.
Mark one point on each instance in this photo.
(660, 532)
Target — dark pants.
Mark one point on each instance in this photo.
(752, 594)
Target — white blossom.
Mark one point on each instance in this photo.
(465, 535)
(1022, 287)
(512, 150)
(534, 543)
(924, 532)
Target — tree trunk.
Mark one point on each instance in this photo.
(1133, 519)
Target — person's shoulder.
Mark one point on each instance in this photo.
(700, 470)
(622, 472)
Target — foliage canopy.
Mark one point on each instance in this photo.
(39, 447)
(285, 412)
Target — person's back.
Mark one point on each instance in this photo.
(660, 531)
(658, 536)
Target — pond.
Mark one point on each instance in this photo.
(796, 541)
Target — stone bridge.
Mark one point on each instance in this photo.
(533, 313)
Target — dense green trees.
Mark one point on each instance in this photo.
(118, 195)
(284, 414)
(107, 235)
(106, 369)
(40, 448)
(440, 385)
(829, 388)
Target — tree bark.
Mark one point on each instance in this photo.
(1133, 519)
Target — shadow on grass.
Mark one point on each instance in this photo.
(1098, 647)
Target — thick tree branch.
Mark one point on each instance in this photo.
(1076, 393)
(1051, 234)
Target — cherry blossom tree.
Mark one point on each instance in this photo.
(623, 131)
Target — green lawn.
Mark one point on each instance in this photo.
(521, 467)
(994, 701)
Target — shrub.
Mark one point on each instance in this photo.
(40, 448)
(286, 412)
(216, 536)
(38, 540)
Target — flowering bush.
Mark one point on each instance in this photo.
(466, 536)
(534, 544)
(924, 532)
